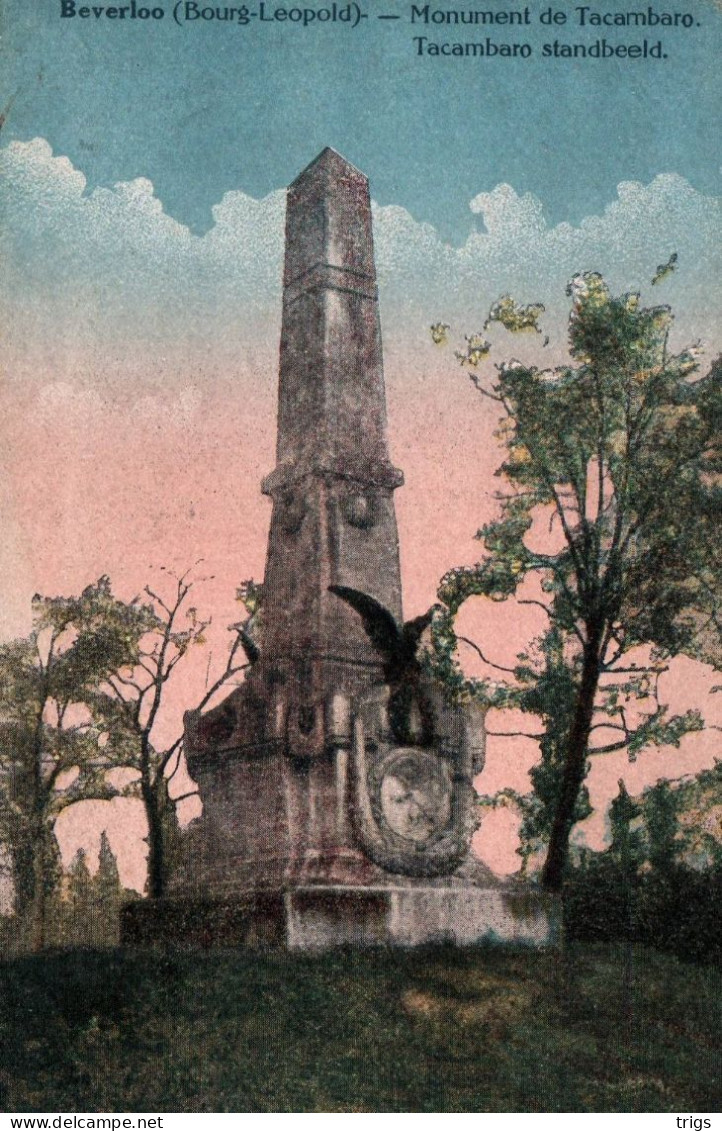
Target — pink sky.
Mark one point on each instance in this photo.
(149, 480)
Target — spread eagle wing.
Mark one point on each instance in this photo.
(414, 629)
(381, 628)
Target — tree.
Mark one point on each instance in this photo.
(88, 914)
(127, 702)
(660, 818)
(110, 895)
(621, 453)
(51, 753)
(683, 822)
(77, 911)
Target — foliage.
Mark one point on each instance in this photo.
(80, 697)
(440, 333)
(626, 848)
(675, 909)
(698, 807)
(477, 348)
(620, 454)
(680, 823)
(548, 690)
(86, 909)
(52, 752)
(651, 886)
(660, 818)
(514, 317)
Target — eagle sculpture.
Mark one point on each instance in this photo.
(410, 710)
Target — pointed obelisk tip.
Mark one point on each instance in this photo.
(328, 222)
(328, 163)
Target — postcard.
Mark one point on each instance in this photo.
(360, 632)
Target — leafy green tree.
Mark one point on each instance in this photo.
(108, 875)
(683, 822)
(88, 914)
(621, 453)
(627, 848)
(78, 909)
(545, 687)
(660, 818)
(110, 895)
(51, 753)
(699, 810)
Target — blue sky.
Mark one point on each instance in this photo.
(209, 107)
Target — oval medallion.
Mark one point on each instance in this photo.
(359, 509)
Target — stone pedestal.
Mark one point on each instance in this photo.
(322, 917)
(280, 859)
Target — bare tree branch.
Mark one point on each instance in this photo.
(513, 734)
(477, 649)
(184, 796)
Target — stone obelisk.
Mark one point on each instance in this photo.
(333, 519)
(337, 781)
(272, 761)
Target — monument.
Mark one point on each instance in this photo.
(337, 781)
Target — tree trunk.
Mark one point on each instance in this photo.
(552, 875)
(38, 843)
(156, 869)
(38, 907)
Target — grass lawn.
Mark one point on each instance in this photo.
(384, 1031)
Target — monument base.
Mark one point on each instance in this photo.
(320, 917)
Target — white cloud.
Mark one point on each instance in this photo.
(508, 215)
(109, 268)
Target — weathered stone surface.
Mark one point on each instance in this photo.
(400, 915)
(271, 761)
(331, 405)
(337, 782)
(333, 519)
(322, 917)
